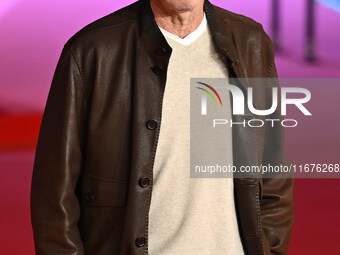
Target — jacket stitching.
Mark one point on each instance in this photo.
(258, 209)
(103, 179)
(78, 66)
(270, 69)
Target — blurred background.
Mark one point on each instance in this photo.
(306, 34)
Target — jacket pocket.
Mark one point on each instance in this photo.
(98, 191)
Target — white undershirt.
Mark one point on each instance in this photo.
(190, 38)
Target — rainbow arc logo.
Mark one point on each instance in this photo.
(209, 93)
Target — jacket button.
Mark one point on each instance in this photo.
(144, 182)
(161, 51)
(158, 70)
(140, 241)
(89, 197)
(151, 124)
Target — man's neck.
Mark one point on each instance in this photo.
(178, 22)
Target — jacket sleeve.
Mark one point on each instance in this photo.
(55, 208)
(277, 204)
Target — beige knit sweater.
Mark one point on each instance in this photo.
(189, 216)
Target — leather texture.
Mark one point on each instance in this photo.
(100, 128)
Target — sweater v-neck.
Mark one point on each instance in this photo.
(190, 38)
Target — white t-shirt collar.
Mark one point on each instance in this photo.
(190, 38)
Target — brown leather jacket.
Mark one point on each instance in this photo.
(92, 176)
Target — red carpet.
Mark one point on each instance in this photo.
(19, 131)
(317, 224)
(15, 227)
